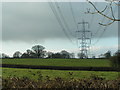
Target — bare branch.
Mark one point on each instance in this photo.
(112, 12)
(117, 4)
(107, 23)
(101, 13)
(88, 11)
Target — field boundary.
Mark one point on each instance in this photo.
(60, 67)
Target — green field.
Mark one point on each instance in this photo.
(60, 62)
(36, 74)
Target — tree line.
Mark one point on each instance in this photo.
(39, 51)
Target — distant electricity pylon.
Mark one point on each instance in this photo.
(84, 39)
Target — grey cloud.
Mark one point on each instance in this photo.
(31, 21)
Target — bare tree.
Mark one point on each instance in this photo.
(49, 54)
(65, 54)
(3, 55)
(17, 54)
(97, 11)
(81, 55)
(107, 54)
(29, 51)
(39, 50)
(72, 55)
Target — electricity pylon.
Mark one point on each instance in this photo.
(84, 39)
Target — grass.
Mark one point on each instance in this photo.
(35, 74)
(60, 62)
(14, 77)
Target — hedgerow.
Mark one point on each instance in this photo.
(59, 83)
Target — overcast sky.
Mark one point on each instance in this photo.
(25, 24)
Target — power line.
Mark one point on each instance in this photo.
(83, 41)
(92, 18)
(62, 16)
(75, 22)
(71, 8)
(99, 28)
(107, 12)
(100, 25)
(59, 20)
(102, 32)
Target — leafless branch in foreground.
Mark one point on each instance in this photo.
(112, 18)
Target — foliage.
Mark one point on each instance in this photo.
(107, 54)
(62, 54)
(3, 55)
(81, 55)
(25, 78)
(60, 83)
(49, 54)
(65, 54)
(56, 55)
(39, 50)
(17, 54)
(115, 60)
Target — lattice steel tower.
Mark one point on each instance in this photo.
(84, 39)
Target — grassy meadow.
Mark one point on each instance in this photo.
(42, 78)
(36, 74)
(60, 62)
